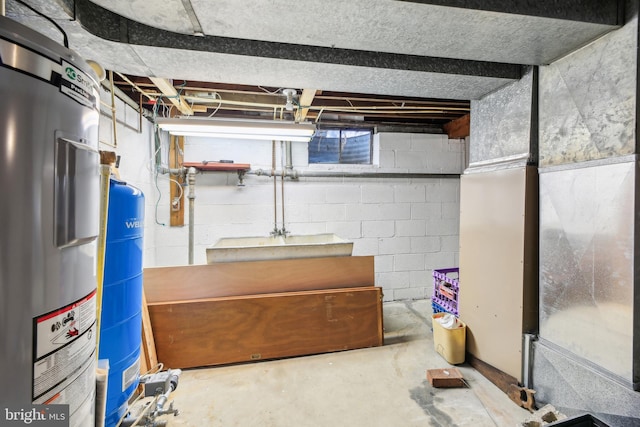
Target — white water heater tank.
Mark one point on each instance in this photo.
(49, 188)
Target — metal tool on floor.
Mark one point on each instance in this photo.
(158, 385)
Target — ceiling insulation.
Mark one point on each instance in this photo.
(414, 63)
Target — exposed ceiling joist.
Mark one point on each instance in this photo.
(304, 102)
(458, 128)
(167, 89)
(419, 69)
(453, 49)
(225, 100)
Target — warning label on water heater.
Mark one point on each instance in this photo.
(64, 341)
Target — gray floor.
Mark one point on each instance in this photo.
(382, 386)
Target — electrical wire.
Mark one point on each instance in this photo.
(176, 148)
(179, 186)
(269, 92)
(152, 159)
(157, 368)
(65, 39)
(157, 163)
(158, 200)
(219, 104)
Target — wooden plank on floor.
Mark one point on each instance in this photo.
(501, 379)
(256, 277)
(244, 328)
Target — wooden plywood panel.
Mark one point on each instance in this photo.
(239, 329)
(256, 277)
(492, 258)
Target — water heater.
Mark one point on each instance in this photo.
(49, 188)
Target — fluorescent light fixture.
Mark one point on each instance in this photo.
(239, 129)
(241, 136)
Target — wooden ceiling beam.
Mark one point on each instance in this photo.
(251, 101)
(389, 98)
(304, 102)
(167, 89)
(458, 128)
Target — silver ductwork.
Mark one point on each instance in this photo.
(587, 262)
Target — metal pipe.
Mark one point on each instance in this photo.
(394, 109)
(191, 179)
(295, 174)
(289, 156)
(527, 356)
(113, 110)
(283, 231)
(170, 385)
(283, 161)
(275, 201)
(174, 171)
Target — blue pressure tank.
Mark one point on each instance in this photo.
(121, 321)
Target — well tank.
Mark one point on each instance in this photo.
(121, 322)
(49, 187)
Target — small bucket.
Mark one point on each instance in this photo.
(449, 343)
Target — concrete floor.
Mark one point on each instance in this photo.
(382, 386)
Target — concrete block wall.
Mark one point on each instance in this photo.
(410, 225)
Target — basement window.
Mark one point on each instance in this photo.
(341, 146)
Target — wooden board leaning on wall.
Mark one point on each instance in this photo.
(222, 313)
